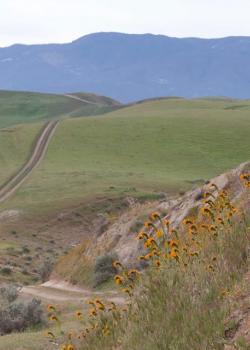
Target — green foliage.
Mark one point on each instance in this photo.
(104, 269)
(182, 309)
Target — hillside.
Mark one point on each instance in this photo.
(15, 147)
(118, 238)
(196, 286)
(131, 67)
(28, 107)
(141, 151)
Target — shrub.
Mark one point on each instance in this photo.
(9, 293)
(104, 269)
(45, 270)
(6, 271)
(20, 316)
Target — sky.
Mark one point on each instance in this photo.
(46, 21)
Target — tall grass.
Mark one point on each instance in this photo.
(181, 301)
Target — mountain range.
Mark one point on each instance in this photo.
(130, 67)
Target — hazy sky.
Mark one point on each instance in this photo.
(41, 21)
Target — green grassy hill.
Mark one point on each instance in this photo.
(163, 145)
(23, 107)
(15, 146)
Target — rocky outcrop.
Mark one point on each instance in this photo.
(120, 237)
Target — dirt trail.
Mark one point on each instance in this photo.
(38, 153)
(81, 99)
(62, 291)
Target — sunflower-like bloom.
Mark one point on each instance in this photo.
(187, 222)
(223, 194)
(148, 256)
(51, 307)
(220, 220)
(99, 305)
(166, 223)
(79, 314)
(148, 224)
(157, 263)
(209, 202)
(210, 267)
(150, 242)
(93, 312)
(207, 194)
(159, 233)
(212, 228)
(70, 347)
(193, 227)
(142, 235)
(207, 211)
(112, 306)
(172, 231)
(141, 257)
(128, 291)
(214, 186)
(50, 334)
(64, 347)
(133, 272)
(156, 252)
(118, 279)
(245, 176)
(53, 318)
(155, 216)
(174, 254)
(173, 243)
(116, 264)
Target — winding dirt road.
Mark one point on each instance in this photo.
(37, 155)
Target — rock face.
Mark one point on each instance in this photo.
(120, 238)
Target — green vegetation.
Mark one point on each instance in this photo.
(182, 309)
(27, 107)
(183, 299)
(151, 147)
(15, 147)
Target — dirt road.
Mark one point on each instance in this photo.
(39, 150)
(62, 291)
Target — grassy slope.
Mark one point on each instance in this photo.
(23, 107)
(15, 145)
(156, 145)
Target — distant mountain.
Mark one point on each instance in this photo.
(131, 67)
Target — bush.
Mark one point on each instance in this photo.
(104, 269)
(6, 271)
(9, 293)
(45, 270)
(17, 317)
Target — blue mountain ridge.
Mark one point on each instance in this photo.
(130, 67)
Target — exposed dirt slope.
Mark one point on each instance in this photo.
(119, 238)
